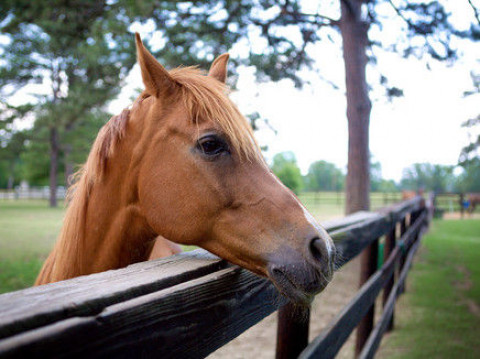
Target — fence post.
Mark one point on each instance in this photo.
(462, 209)
(292, 331)
(403, 229)
(368, 264)
(387, 249)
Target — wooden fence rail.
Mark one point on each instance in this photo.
(189, 305)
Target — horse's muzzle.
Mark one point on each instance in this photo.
(300, 276)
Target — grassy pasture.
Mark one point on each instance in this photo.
(27, 232)
(439, 316)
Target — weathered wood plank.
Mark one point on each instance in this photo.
(38, 306)
(215, 309)
(398, 211)
(354, 218)
(351, 240)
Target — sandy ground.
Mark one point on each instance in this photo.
(457, 215)
(259, 341)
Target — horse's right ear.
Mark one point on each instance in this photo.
(156, 79)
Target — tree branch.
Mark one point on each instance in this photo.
(475, 11)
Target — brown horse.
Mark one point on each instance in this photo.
(473, 200)
(406, 194)
(183, 163)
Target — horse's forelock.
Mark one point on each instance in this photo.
(206, 98)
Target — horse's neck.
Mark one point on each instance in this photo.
(102, 230)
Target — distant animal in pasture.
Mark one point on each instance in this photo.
(473, 200)
(182, 163)
(411, 194)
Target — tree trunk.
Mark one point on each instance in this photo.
(67, 150)
(54, 150)
(355, 39)
(11, 177)
(10, 182)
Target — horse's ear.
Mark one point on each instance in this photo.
(218, 69)
(156, 79)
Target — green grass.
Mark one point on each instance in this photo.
(28, 230)
(439, 316)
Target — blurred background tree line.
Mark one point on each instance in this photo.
(72, 58)
(326, 176)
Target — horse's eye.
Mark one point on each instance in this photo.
(212, 145)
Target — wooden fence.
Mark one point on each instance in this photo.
(189, 305)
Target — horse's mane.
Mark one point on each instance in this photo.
(204, 98)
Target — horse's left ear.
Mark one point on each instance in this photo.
(156, 79)
(218, 69)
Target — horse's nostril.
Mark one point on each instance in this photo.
(318, 250)
(277, 272)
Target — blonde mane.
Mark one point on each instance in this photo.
(205, 98)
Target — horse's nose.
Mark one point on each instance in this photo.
(321, 254)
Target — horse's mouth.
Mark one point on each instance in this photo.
(294, 292)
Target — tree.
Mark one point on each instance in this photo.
(286, 169)
(11, 149)
(324, 176)
(82, 53)
(469, 179)
(469, 158)
(429, 177)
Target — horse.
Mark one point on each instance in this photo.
(182, 163)
(473, 200)
(406, 194)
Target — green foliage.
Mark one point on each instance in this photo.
(324, 176)
(429, 177)
(11, 147)
(387, 186)
(81, 53)
(194, 32)
(286, 169)
(469, 179)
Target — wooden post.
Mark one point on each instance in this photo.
(462, 209)
(387, 249)
(292, 331)
(369, 260)
(403, 229)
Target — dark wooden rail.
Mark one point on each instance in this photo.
(189, 305)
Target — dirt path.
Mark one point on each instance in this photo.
(259, 341)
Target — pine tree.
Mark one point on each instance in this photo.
(82, 50)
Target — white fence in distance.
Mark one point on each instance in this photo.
(22, 192)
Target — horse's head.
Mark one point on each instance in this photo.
(202, 180)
